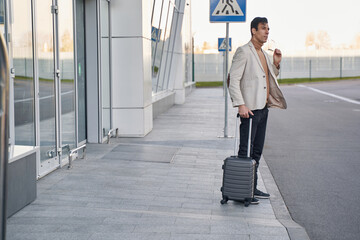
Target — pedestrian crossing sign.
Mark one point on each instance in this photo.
(222, 44)
(155, 34)
(227, 10)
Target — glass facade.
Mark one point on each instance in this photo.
(23, 82)
(46, 79)
(187, 46)
(47, 119)
(2, 16)
(81, 69)
(105, 67)
(48, 84)
(162, 17)
(163, 38)
(67, 75)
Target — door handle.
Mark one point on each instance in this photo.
(57, 73)
(12, 72)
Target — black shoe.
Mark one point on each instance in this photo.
(254, 201)
(260, 194)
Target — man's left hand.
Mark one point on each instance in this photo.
(277, 57)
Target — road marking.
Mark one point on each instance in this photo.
(42, 98)
(331, 95)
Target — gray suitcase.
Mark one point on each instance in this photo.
(239, 174)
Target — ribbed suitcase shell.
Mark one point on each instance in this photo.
(238, 179)
(239, 174)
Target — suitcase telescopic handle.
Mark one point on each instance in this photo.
(237, 132)
(238, 115)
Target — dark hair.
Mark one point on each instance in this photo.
(255, 23)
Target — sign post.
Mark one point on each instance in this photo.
(225, 80)
(227, 11)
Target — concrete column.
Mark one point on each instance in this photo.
(92, 71)
(177, 73)
(131, 67)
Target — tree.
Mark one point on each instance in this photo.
(357, 41)
(322, 40)
(206, 45)
(310, 39)
(66, 42)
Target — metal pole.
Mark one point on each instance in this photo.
(225, 81)
(4, 149)
(340, 67)
(224, 72)
(193, 61)
(110, 64)
(310, 69)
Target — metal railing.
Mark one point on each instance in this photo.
(72, 153)
(110, 133)
(4, 148)
(209, 67)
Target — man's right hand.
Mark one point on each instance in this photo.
(244, 111)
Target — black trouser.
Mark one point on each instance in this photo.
(257, 137)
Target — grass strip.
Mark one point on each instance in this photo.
(281, 81)
(209, 84)
(42, 79)
(308, 80)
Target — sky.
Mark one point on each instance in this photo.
(289, 22)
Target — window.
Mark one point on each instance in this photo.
(22, 46)
(161, 28)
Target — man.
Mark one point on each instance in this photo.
(253, 89)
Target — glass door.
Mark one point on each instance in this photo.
(48, 123)
(67, 76)
(105, 66)
(80, 71)
(2, 17)
(55, 51)
(22, 79)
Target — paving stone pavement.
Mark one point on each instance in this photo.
(163, 186)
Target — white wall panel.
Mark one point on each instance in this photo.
(133, 122)
(127, 72)
(127, 19)
(177, 73)
(92, 58)
(147, 71)
(148, 119)
(146, 18)
(129, 121)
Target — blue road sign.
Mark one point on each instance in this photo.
(227, 10)
(222, 44)
(2, 14)
(155, 34)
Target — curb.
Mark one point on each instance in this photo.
(295, 231)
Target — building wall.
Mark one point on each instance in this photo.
(131, 71)
(121, 90)
(45, 106)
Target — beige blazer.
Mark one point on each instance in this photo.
(248, 81)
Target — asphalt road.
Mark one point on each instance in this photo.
(313, 152)
(24, 100)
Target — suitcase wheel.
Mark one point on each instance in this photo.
(224, 200)
(247, 203)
